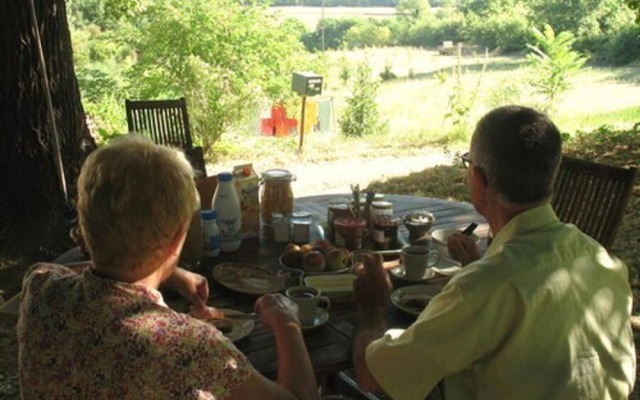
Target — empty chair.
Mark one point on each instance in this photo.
(165, 122)
(592, 196)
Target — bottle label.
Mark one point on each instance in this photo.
(229, 229)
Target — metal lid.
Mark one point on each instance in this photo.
(277, 174)
(382, 205)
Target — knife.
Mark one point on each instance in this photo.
(240, 316)
(469, 229)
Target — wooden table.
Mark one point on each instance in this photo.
(329, 345)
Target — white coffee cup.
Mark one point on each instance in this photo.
(416, 260)
(308, 300)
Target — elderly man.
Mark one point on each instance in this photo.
(544, 314)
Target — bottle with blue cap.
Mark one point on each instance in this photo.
(226, 203)
(210, 233)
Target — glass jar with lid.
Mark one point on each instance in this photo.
(382, 207)
(277, 195)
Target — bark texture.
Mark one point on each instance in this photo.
(33, 210)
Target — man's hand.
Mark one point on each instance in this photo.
(463, 248)
(191, 286)
(372, 286)
(276, 310)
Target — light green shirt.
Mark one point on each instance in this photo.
(543, 315)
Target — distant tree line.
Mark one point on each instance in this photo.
(605, 30)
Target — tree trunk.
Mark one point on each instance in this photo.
(33, 208)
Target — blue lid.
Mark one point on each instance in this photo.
(208, 215)
(225, 177)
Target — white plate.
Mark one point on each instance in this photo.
(322, 316)
(447, 266)
(339, 271)
(444, 266)
(240, 328)
(247, 278)
(403, 297)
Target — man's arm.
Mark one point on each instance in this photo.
(371, 289)
(371, 326)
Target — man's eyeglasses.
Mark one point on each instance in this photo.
(465, 160)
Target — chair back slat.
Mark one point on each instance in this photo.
(592, 196)
(165, 122)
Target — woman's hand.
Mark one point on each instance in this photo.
(191, 286)
(276, 310)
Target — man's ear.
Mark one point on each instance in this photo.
(480, 175)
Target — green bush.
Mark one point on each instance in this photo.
(368, 33)
(334, 31)
(508, 31)
(623, 48)
(432, 31)
(361, 117)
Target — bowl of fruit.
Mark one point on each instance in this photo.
(320, 257)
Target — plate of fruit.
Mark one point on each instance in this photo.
(318, 258)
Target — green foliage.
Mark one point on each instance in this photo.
(413, 9)
(432, 30)
(361, 117)
(222, 56)
(368, 33)
(505, 28)
(553, 61)
(334, 31)
(387, 73)
(621, 48)
(345, 70)
(634, 5)
(462, 100)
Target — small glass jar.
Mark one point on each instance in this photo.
(381, 208)
(277, 195)
(385, 232)
(281, 228)
(337, 208)
(349, 232)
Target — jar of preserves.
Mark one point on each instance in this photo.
(385, 232)
(349, 232)
(382, 208)
(277, 195)
(337, 208)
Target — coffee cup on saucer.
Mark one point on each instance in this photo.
(308, 300)
(416, 260)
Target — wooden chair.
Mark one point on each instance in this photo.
(592, 196)
(165, 122)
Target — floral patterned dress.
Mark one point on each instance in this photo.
(85, 337)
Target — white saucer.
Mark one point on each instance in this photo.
(447, 266)
(400, 273)
(322, 316)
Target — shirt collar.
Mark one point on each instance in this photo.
(524, 222)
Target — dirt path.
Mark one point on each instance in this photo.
(337, 176)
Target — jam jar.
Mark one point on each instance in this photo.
(337, 208)
(277, 195)
(349, 232)
(385, 232)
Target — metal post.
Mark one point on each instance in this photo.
(47, 96)
(304, 103)
(322, 24)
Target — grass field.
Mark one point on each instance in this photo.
(416, 103)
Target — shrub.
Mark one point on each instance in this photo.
(368, 33)
(508, 32)
(361, 117)
(334, 31)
